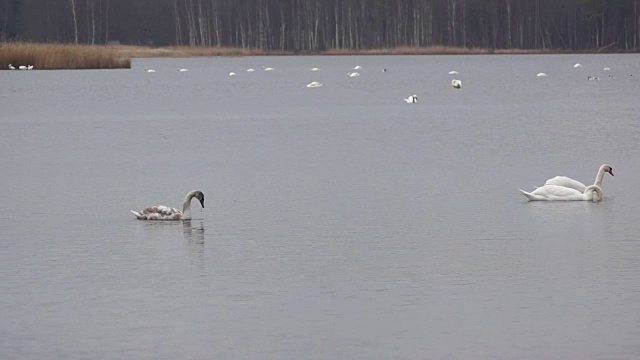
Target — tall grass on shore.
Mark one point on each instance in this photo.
(60, 56)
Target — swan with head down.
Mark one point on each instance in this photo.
(577, 185)
(560, 193)
(162, 212)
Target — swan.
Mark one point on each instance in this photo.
(456, 83)
(314, 84)
(232, 74)
(357, 67)
(353, 74)
(250, 70)
(161, 212)
(452, 72)
(30, 67)
(578, 65)
(413, 99)
(592, 77)
(11, 67)
(606, 68)
(22, 67)
(560, 193)
(183, 70)
(149, 70)
(267, 68)
(541, 75)
(577, 185)
(315, 69)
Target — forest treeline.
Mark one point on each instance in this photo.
(294, 25)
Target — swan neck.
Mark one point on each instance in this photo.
(186, 206)
(594, 193)
(600, 176)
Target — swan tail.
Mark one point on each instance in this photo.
(138, 215)
(529, 196)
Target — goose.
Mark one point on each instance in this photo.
(267, 68)
(456, 83)
(314, 84)
(22, 67)
(251, 70)
(11, 67)
(161, 212)
(149, 70)
(452, 72)
(353, 74)
(560, 193)
(606, 68)
(578, 65)
(357, 67)
(30, 67)
(183, 70)
(315, 69)
(413, 99)
(577, 185)
(232, 74)
(541, 75)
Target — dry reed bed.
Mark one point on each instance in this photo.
(60, 56)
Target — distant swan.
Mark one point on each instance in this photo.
(314, 84)
(30, 67)
(592, 77)
(353, 74)
(250, 70)
(267, 68)
(456, 83)
(577, 185)
(315, 69)
(452, 72)
(578, 65)
(357, 67)
(560, 193)
(11, 67)
(183, 70)
(606, 69)
(149, 70)
(413, 99)
(161, 212)
(22, 67)
(541, 75)
(232, 74)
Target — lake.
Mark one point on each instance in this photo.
(340, 222)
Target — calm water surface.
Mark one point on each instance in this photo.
(340, 222)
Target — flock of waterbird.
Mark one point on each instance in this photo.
(21, 67)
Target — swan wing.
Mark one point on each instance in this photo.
(554, 193)
(566, 182)
(159, 212)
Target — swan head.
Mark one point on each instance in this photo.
(607, 168)
(200, 196)
(595, 192)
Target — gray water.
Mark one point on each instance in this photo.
(340, 222)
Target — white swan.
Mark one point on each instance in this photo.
(592, 77)
(183, 70)
(315, 69)
(251, 70)
(456, 83)
(578, 65)
(149, 70)
(413, 99)
(577, 185)
(11, 67)
(30, 67)
(357, 67)
(353, 74)
(314, 84)
(560, 193)
(452, 72)
(232, 74)
(541, 75)
(22, 67)
(606, 68)
(267, 68)
(161, 212)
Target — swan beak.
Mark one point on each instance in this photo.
(202, 202)
(611, 172)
